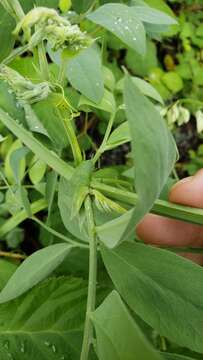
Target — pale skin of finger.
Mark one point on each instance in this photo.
(158, 230)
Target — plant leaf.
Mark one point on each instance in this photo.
(85, 74)
(119, 136)
(9, 104)
(33, 270)
(50, 120)
(153, 149)
(118, 336)
(123, 22)
(107, 102)
(37, 170)
(77, 225)
(6, 35)
(15, 164)
(146, 88)
(17, 161)
(110, 232)
(152, 16)
(25, 201)
(161, 288)
(45, 323)
(79, 184)
(33, 122)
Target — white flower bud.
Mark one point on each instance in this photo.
(199, 120)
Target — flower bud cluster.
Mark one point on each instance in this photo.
(43, 23)
(24, 89)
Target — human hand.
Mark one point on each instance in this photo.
(158, 230)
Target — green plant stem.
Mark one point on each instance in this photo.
(21, 216)
(44, 68)
(91, 298)
(73, 141)
(59, 235)
(62, 72)
(101, 149)
(12, 255)
(16, 52)
(161, 207)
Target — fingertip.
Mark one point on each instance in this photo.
(189, 191)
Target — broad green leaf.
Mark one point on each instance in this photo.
(110, 232)
(7, 268)
(119, 136)
(142, 65)
(33, 270)
(13, 202)
(45, 323)
(33, 122)
(146, 88)
(79, 185)
(81, 6)
(85, 74)
(123, 22)
(76, 226)
(51, 185)
(17, 169)
(164, 289)
(152, 16)
(153, 149)
(107, 102)
(17, 161)
(118, 336)
(25, 201)
(9, 104)
(48, 156)
(6, 36)
(159, 5)
(51, 119)
(37, 170)
(154, 31)
(109, 78)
